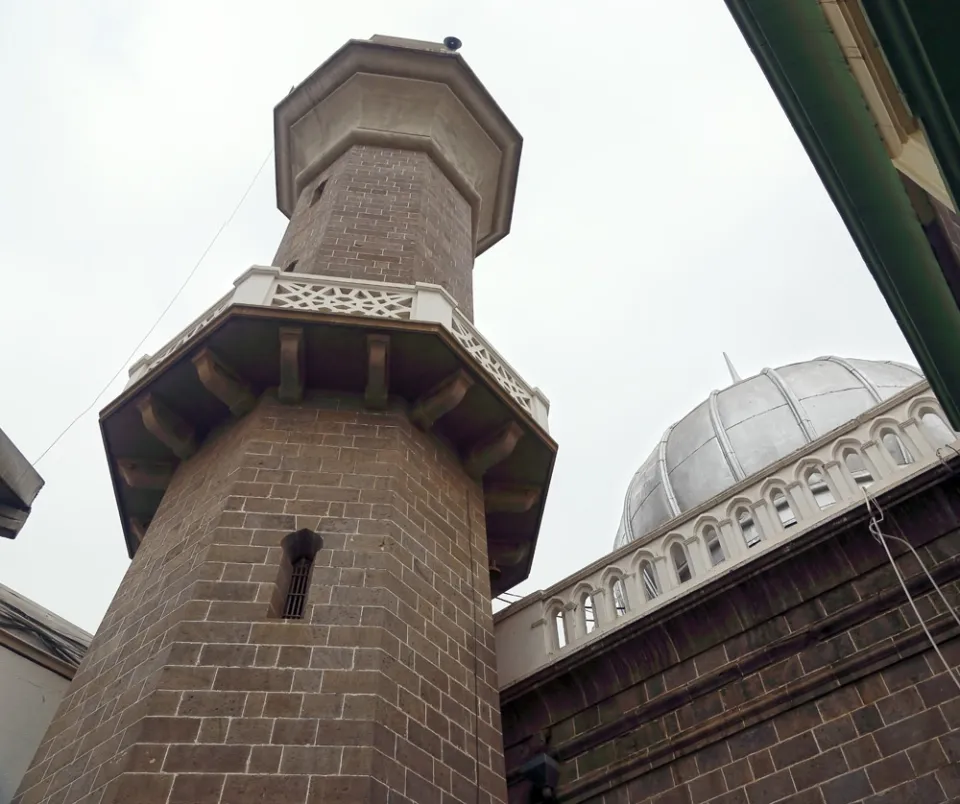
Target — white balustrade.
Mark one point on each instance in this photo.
(271, 287)
(526, 630)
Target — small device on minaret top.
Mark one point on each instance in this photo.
(452, 43)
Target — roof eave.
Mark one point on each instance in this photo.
(802, 60)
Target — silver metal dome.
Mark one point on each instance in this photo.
(747, 427)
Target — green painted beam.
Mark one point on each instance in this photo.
(919, 41)
(802, 60)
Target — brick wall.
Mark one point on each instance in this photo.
(803, 679)
(384, 215)
(191, 692)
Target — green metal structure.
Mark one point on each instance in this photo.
(802, 60)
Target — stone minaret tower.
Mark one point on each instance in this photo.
(322, 481)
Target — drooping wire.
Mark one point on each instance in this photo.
(880, 536)
(163, 313)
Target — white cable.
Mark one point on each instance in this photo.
(878, 534)
(159, 318)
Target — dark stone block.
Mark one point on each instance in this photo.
(867, 719)
(751, 740)
(890, 772)
(910, 731)
(906, 673)
(847, 788)
(794, 750)
(713, 757)
(835, 732)
(900, 705)
(802, 718)
(771, 788)
(926, 790)
(819, 769)
(707, 787)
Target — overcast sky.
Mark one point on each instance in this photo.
(665, 212)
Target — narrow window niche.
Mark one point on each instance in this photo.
(293, 582)
(559, 628)
(589, 613)
(619, 597)
(681, 563)
(714, 546)
(649, 580)
(318, 192)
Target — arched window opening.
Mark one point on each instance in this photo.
(619, 592)
(292, 591)
(936, 430)
(291, 266)
(818, 485)
(858, 468)
(748, 527)
(711, 537)
(680, 562)
(648, 578)
(318, 192)
(560, 628)
(895, 447)
(782, 506)
(589, 613)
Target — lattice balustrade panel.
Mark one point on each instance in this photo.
(344, 300)
(487, 358)
(190, 332)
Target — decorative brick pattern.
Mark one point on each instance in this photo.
(807, 681)
(384, 215)
(191, 692)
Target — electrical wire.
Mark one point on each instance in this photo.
(160, 317)
(882, 537)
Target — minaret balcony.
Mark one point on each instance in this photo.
(392, 344)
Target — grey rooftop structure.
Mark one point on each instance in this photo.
(19, 485)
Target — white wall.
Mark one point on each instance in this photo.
(29, 696)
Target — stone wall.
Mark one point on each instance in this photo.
(194, 691)
(384, 215)
(802, 677)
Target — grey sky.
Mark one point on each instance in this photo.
(665, 212)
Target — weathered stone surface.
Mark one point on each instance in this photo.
(191, 690)
(790, 696)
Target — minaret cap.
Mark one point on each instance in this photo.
(402, 93)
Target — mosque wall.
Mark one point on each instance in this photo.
(802, 677)
(766, 512)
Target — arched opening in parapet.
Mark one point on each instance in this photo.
(748, 527)
(648, 580)
(935, 429)
(588, 613)
(681, 562)
(822, 493)
(781, 504)
(618, 591)
(858, 468)
(711, 538)
(559, 628)
(895, 447)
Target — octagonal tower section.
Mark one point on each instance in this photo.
(323, 481)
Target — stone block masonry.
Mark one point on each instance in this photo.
(385, 215)
(803, 680)
(194, 690)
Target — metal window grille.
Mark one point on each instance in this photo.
(297, 591)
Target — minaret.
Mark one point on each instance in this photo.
(322, 482)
